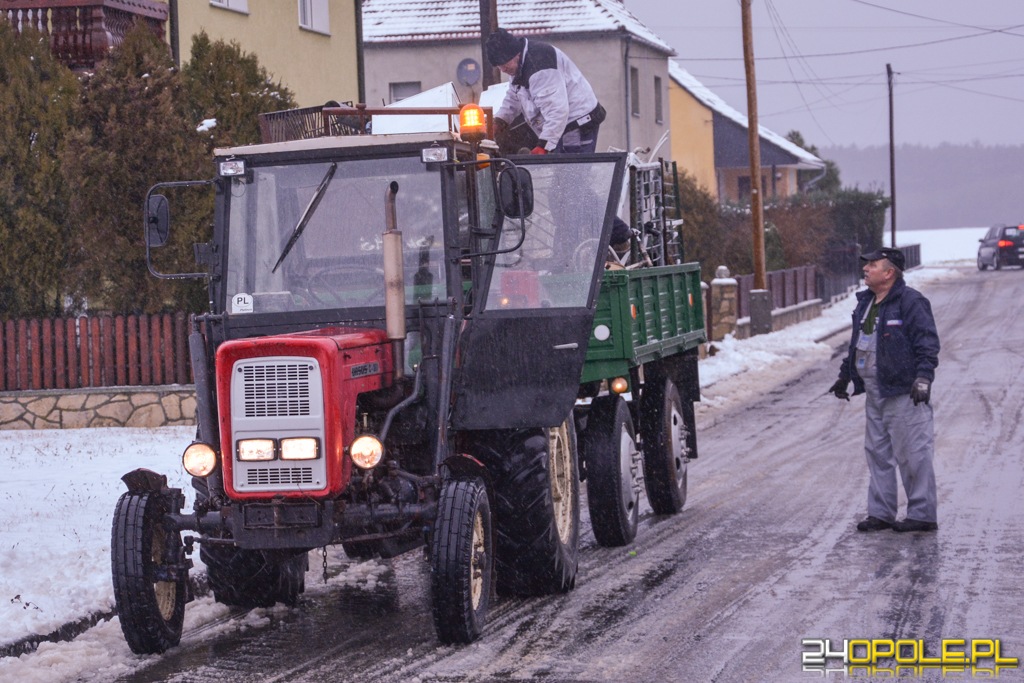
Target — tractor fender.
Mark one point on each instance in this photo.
(463, 466)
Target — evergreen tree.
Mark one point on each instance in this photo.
(135, 132)
(829, 183)
(38, 98)
(225, 84)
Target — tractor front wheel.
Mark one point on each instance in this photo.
(149, 573)
(462, 559)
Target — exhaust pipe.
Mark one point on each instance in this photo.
(394, 281)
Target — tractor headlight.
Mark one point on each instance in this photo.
(300, 448)
(255, 450)
(366, 451)
(199, 459)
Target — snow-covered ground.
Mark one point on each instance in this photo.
(58, 494)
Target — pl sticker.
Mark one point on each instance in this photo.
(241, 303)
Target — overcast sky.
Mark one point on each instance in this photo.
(821, 65)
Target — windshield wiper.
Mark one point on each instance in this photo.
(307, 214)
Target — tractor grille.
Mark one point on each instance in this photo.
(264, 476)
(280, 390)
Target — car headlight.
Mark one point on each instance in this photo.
(199, 459)
(255, 450)
(366, 451)
(300, 448)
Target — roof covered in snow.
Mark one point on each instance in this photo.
(700, 91)
(390, 21)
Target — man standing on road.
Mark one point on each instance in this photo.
(548, 91)
(892, 357)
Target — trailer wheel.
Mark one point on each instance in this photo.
(249, 578)
(462, 561)
(613, 489)
(148, 573)
(665, 449)
(538, 515)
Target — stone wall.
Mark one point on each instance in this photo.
(98, 407)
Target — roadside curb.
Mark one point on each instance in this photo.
(72, 629)
(65, 633)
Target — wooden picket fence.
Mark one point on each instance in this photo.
(94, 351)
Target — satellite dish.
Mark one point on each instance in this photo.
(468, 71)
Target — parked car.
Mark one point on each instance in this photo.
(1002, 245)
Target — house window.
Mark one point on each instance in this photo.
(744, 188)
(313, 16)
(233, 5)
(634, 90)
(658, 114)
(399, 91)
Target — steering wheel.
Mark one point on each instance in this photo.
(346, 284)
(584, 255)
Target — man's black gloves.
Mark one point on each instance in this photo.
(500, 127)
(839, 389)
(921, 390)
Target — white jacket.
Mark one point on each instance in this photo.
(549, 91)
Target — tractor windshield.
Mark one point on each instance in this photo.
(335, 258)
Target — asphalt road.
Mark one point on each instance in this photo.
(764, 555)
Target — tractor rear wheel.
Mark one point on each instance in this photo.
(536, 495)
(149, 573)
(462, 560)
(613, 489)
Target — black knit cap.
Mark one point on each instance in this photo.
(502, 46)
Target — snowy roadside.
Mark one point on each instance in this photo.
(61, 487)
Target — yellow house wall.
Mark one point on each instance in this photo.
(693, 144)
(314, 66)
(785, 183)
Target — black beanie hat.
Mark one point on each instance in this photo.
(502, 46)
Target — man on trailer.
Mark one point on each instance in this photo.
(549, 92)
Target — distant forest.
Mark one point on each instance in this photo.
(948, 186)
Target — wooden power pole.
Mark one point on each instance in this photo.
(488, 25)
(892, 164)
(754, 138)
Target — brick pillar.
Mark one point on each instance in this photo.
(724, 304)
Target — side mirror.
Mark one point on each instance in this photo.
(158, 220)
(515, 192)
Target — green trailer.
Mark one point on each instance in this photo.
(644, 315)
(635, 415)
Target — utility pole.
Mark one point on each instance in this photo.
(760, 297)
(892, 164)
(488, 25)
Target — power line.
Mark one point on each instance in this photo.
(864, 51)
(940, 21)
(777, 21)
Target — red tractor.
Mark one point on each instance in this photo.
(393, 359)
